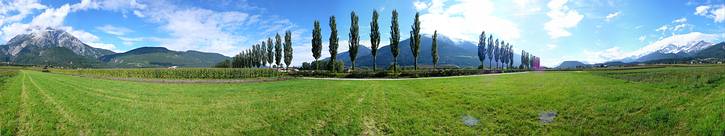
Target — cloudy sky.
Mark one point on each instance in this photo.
(557, 30)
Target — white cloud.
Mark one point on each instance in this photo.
(114, 30)
(642, 38)
(611, 16)
(527, 7)
(562, 18)
(465, 19)
(551, 46)
(420, 5)
(715, 12)
(604, 56)
(14, 11)
(662, 29)
(679, 27)
(702, 10)
(680, 20)
(138, 14)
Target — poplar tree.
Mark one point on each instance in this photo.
(317, 43)
(415, 40)
(489, 51)
(374, 37)
(278, 50)
(354, 39)
(270, 52)
(288, 48)
(394, 38)
(434, 49)
(482, 48)
(333, 43)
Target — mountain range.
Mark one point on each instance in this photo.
(59, 48)
(571, 64)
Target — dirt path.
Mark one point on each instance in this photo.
(422, 78)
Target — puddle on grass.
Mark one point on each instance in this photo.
(547, 117)
(469, 120)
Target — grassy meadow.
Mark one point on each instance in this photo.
(658, 101)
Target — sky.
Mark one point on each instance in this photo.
(591, 31)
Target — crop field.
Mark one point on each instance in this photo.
(657, 101)
(182, 73)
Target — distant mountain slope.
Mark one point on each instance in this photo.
(571, 64)
(162, 57)
(50, 47)
(715, 51)
(462, 54)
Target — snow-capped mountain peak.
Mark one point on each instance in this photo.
(685, 43)
(685, 48)
(48, 38)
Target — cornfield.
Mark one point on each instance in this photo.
(182, 73)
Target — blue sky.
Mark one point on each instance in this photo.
(557, 30)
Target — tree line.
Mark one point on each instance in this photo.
(272, 53)
(275, 54)
(496, 50)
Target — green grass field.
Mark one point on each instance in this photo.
(661, 101)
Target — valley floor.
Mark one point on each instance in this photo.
(642, 102)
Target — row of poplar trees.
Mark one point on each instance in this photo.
(354, 39)
(498, 51)
(271, 52)
(501, 52)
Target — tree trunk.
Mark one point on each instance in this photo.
(353, 65)
(395, 64)
(415, 63)
(489, 64)
(373, 63)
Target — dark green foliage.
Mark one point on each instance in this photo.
(354, 39)
(333, 42)
(278, 54)
(496, 52)
(263, 53)
(339, 65)
(434, 49)
(482, 48)
(270, 52)
(374, 37)
(394, 38)
(489, 51)
(316, 42)
(415, 39)
(54, 56)
(224, 64)
(288, 48)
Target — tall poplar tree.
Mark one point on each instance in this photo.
(278, 50)
(270, 52)
(316, 43)
(354, 39)
(374, 38)
(333, 43)
(288, 48)
(482, 48)
(415, 40)
(434, 49)
(394, 38)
